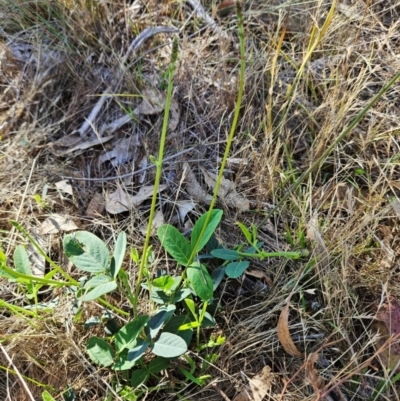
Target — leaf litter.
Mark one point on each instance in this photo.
(258, 386)
(120, 201)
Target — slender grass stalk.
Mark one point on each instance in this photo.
(326, 153)
(233, 127)
(158, 164)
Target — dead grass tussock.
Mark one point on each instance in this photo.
(53, 70)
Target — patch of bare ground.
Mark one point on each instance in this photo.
(81, 100)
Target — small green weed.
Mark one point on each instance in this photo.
(146, 345)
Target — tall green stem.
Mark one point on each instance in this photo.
(158, 163)
(233, 127)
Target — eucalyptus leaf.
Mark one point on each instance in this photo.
(174, 243)
(100, 352)
(197, 243)
(86, 251)
(169, 345)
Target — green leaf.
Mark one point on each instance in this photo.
(100, 290)
(135, 353)
(138, 377)
(245, 232)
(122, 363)
(97, 280)
(87, 252)
(189, 376)
(217, 275)
(3, 258)
(192, 308)
(225, 254)
(126, 336)
(197, 243)
(21, 261)
(208, 320)
(163, 282)
(135, 256)
(100, 352)
(169, 346)
(163, 314)
(119, 253)
(174, 327)
(46, 396)
(201, 281)
(160, 297)
(158, 364)
(236, 269)
(174, 243)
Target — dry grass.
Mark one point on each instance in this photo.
(57, 58)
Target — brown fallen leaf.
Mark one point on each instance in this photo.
(283, 332)
(315, 379)
(64, 186)
(258, 386)
(158, 221)
(227, 191)
(96, 206)
(184, 207)
(56, 223)
(123, 151)
(74, 142)
(153, 102)
(119, 201)
(193, 188)
(388, 326)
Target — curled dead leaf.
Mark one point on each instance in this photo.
(258, 386)
(283, 332)
(193, 187)
(56, 223)
(119, 201)
(64, 186)
(227, 191)
(388, 326)
(312, 373)
(96, 206)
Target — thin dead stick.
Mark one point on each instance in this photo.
(21, 379)
(327, 152)
(117, 177)
(223, 395)
(302, 367)
(134, 46)
(361, 367)
(201, 13)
